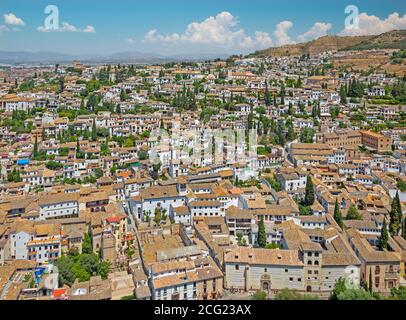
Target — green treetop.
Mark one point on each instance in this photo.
(261, 233)
(309, 197)
(337, 215)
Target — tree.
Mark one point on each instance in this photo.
(261, 233)
(309, 196)
(35, 151)
(290, 134)
(240, 238)
(343, 95)
(123, 96)
(404, 229)
(267, 95)
(14, 176)
(370, 284)
(157, 216)
(395, 216)
(282, 93)
(356, 294)
(383, 239)
(272, 246)
(53, 165)
(142, 155)
(339, 287)
(80, 273)
(87, 244)
(66, 276)
(156, 167)
(61, 84)
(401, 185)
(130, 297)
(353, 214)
(94, 131)
(259, 295)
(398, 293)
(334, 112)
(103, 269)
(307, 135)
(90, 262)
(338, 217)
(288, 294)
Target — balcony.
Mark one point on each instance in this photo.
(392, 275)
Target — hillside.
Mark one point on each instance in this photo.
(390, 40)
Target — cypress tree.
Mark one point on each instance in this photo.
(395, 216)
(267, 95)
(337, 215)
(404, 229)
(35, 152)
(383, 239)
(94, 131)
(282, 92)
(309, 197)
(261, 233)
(370, 286)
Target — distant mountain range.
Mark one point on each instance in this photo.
(395, 39)
(23, 57)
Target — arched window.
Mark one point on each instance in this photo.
(377, 270)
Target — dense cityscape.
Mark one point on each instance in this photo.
(275, 175)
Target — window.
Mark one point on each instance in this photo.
(377, 269)
(309, 262)
(286, 270)
(309, 271)
(377, 282)
(237, 267)
(290, 279)
(309, 254)
(316, 262)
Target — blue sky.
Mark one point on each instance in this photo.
(160, 26)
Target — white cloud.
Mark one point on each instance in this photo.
(67, 27)
(318, 30)
(13, 20)
(246, 42)
(263, 39)
(89, 29)
(373, 25)
(3, 28)
(221, 29)
(281, 33)
(130, 40)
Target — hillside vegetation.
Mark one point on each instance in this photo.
(390, 40)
